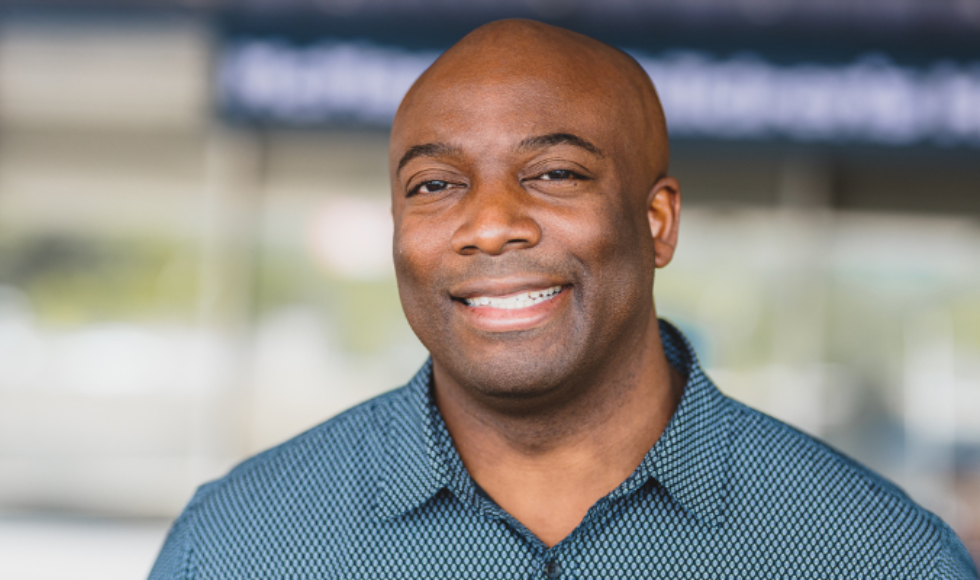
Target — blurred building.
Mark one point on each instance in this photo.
(195, 257)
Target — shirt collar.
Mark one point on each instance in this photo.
(690, 460)
(414, 468)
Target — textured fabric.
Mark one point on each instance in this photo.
(727, 492)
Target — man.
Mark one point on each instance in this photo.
(559, 430)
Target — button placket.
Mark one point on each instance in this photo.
(552, 569)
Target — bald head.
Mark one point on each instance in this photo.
(519, 54)
(527, 173)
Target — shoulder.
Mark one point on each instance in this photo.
(322, 479)
(347, 446)
(801, 486)
(766, 450)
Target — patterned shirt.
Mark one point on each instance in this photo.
(726, 492)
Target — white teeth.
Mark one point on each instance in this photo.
(522, 300)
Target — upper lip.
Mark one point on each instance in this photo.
(504, 286)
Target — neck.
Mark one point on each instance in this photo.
(547, 462)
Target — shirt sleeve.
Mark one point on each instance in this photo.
(955, 562)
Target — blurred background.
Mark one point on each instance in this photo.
(195, 239)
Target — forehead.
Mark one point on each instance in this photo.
(508, 106)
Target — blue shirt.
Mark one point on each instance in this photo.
(726, 492)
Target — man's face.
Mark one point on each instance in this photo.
(522, 248)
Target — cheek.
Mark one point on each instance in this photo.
(604, 238)
(419, 258)
(615, 252)
(416, 250)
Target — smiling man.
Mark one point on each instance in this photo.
(559, 430)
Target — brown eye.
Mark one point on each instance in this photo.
(433, 186)
(558, 175)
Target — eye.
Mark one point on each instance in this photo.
(559, 175)
(432, 186)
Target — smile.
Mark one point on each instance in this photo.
(509, 305)
(517, 301)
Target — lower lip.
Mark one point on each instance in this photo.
(491, 319)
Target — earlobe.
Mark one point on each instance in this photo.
(663, 213)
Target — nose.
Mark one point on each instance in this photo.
(495, 221)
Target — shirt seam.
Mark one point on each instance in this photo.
(188, 571)
(942, 554)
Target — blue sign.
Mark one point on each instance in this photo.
(868, 100)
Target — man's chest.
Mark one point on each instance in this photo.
(646, 536)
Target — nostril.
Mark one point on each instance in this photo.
(495, 238)
(495, 220)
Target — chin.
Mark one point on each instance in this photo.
(517, 373)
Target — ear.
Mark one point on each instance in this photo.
(664, 214)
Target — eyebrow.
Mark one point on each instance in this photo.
(538, 142)
(428, 150)
(551, 139)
